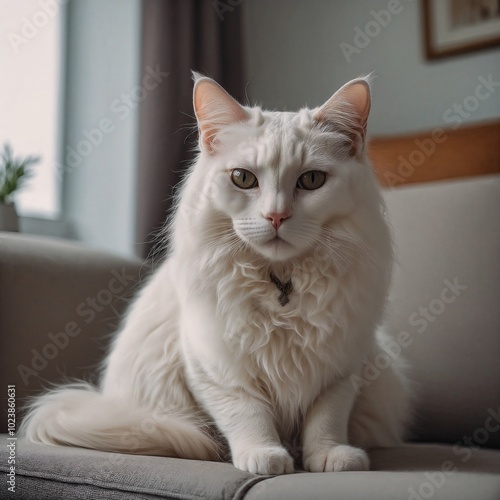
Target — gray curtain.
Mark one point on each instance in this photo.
(178, 36)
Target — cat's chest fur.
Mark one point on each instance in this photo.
(290, 352)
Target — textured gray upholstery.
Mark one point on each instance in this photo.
(378, 486)
(48, 472)
(448, 234)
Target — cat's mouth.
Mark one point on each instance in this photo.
(273, 247)
(277, 249)
(277, 241)
(276, 238)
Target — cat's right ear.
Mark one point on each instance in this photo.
(214, 109)
(347, 112)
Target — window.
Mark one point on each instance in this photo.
(31, 94)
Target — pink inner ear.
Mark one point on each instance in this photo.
(355, 96)
(358, 95)
(215, 108)
(347, 110)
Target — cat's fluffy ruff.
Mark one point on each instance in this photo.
(207, 341)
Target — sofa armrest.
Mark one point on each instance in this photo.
(59, 304)
(444, 301)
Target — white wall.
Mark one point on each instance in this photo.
(103, 44)
(295, 58)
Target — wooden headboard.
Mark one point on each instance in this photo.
(437, 155)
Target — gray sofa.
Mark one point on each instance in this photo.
(60, 302)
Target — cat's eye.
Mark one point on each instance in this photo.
(243, 178)
(313, 179)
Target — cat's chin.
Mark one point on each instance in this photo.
(277, 250)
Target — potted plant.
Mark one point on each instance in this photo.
(13, 173)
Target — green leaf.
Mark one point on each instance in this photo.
(14, 171)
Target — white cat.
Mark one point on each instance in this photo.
(251, 333)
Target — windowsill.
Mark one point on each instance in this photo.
(47, 227)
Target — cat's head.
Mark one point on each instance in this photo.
(280, 180)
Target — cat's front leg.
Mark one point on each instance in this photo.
(325, 441)
(249, 428)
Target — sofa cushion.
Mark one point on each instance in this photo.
(379, 486)
(57, 472)
(50, 472)
(446, 297)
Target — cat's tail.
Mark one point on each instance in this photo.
(80, 415)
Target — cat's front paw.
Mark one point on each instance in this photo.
(264, 460)
(336, 459)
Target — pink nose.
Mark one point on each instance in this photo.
(277, 218)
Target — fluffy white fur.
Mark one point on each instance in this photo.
(207, 359)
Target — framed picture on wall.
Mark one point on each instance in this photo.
(458, 26)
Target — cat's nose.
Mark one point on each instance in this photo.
(277, 218)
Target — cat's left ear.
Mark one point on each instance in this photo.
(347, 112)
(214, 109)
